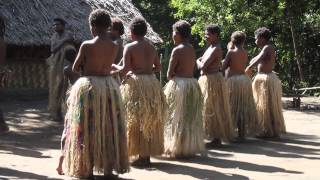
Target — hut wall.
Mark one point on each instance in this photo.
(29, 67)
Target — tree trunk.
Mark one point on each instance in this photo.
(297, 52)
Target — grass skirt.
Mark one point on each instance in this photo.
(216, 109)
(96, 137)
(184, 127)
(243, 109)
(267, 94)
(146, 112)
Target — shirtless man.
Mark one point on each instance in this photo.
(266, 86)
(243, 112)
(56, 62)
(95, 137)
(143, 96)
(216, 110)
(3, 126)
(184, 128)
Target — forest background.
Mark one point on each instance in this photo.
(295, 26)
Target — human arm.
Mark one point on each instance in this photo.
(226, 61)
(260, 57)
(173, 62)
(56, 43)
(80, 59)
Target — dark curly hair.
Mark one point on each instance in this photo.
(263, 32)
(183, 28)
(138, 26)
(238, 37)
(213, 29)
(100, 18)
(117, 25)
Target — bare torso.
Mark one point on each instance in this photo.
(267, 63)
(141, 57)
(211, 60)
(238, 59)
(182, 62)
(96, 57)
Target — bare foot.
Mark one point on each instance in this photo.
(60, 171)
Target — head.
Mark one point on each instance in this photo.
(117, 28)
(59, 25)
(138, 28)
(238, 38)
(262, 36)
(212, 33)
(99, 21)
(181, 31)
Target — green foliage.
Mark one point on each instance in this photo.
(248, 15)
(281, 16)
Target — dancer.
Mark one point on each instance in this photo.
(216, 109)
(143, 97)
(266, 86)
(96, 132)
(184, 128)
(243, 112)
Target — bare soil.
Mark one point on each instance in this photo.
(31, 150)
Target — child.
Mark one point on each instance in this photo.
(69, 79)
(216, 110)
(117, 30)
(266, 86)
(96, 138)
(143, 97)
(184, 128)
(243, 112)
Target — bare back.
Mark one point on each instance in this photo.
(268, 59)
(141, 57)
(237, 60)
(96, 57)
(182, 61)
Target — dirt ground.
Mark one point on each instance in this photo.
(31, 150)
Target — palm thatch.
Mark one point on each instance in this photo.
(29, 22)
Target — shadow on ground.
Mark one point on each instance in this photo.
(5, 172)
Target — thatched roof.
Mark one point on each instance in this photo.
(29, 22)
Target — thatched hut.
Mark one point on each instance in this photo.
(28, 32)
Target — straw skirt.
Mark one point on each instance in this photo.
(216, 109)
(184, 127)
(243, 109)
(96, 132)
(267, 94)
(146, 110)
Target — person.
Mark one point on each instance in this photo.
(117, 30)
(183, 129)
(96, 132)
(3, 72)
(230, 46)
(143, 97)
(60, 41)
(266, 86)
(70, 78)
(216, 109)
(243, 112)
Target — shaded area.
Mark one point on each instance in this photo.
(5, 172)
(30, 129)
(289, 146)
(194, 172)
